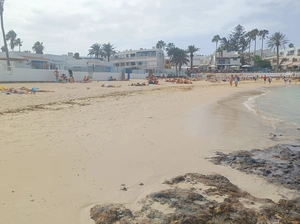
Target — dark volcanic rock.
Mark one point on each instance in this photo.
(192, 205)
(278, 164)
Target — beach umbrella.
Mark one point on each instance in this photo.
(246, 66)
(233, 66)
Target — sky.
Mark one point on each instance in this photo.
(74, 25)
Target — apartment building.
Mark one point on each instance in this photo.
(288, 58)
(146, 59)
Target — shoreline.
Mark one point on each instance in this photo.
(146, 138)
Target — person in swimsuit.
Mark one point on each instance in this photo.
(56, 74)
(110, 85)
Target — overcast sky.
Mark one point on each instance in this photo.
(74, 25)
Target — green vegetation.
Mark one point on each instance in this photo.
(38, 47)
(276, 41)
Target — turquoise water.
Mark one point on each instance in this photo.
(278, 107)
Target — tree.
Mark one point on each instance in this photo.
(244, 45)
(108, 50)
(3, 32)
(291, 45)
(11, 37)
(179, 58)
(234, 38)
(38, 47)
(249, 35)
(76, 55)
(19, 43)
(255, 33)
(191, 50)
(220, 51)
(160, 45)
(169, 49)
(216, 39)
(3, 49)
(261, 63)
(263, 34)
(225, 44)
(277, 40)
(95, 50)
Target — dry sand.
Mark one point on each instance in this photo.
(65, 151)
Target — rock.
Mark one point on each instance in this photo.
(109, 213)
(278, 164)
(123, 188)
(188, 206)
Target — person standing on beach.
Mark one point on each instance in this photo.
(71, 77)
(265, 79)
(270, 79)
(236, 80)
(56, 74)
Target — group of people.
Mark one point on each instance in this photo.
(63, 78)
(234, 79)
(179, 81)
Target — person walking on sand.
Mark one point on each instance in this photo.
(236, 80)
(56, 74)
(265, 79)
(270, 80)
(231, 80)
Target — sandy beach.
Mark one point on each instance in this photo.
(63, 152)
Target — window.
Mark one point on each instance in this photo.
(234, 59)
(146, 54)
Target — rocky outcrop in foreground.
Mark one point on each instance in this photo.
(279, 164)
(196, 198)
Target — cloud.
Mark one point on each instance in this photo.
(130, 24)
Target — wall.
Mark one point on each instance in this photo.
(40, 75)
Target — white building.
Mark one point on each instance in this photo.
(288, 58)
(145, 59)
(51, 61)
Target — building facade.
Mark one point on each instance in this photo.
(288, 59)
(145, 59)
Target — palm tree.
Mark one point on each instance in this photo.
(96, 50)
(192, 49)
(249, 37)
(3, 32)
(277, 40)
(179, 58)
(169, 49)
(108, 50)
(263, 34)
(38, 47)
(216, 39)
(18, 42)
(225, 44)
(160, 45)
(291, 45)
(11, 37)
(255, 33)
(76, 55)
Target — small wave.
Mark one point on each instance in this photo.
(272, 121)
(267, 118)
(250, 103)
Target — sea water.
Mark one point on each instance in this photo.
(279, 108)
